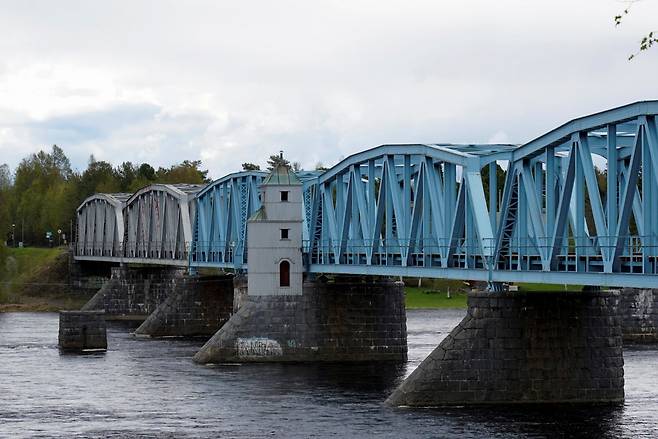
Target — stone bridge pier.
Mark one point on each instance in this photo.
(344, 319)
(167, 300)
(557, 347)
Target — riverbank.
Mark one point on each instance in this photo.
(36, 279)
(429, 298)
(453, 295)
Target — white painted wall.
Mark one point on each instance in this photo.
(267, 249)
(282, 210)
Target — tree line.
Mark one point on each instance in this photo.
(43, 192)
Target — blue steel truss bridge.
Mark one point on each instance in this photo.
(577, 205)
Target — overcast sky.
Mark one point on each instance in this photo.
(234, 81)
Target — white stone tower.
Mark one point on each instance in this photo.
(275, 237)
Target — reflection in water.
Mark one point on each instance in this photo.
(151, 388)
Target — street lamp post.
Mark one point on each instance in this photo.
(13, 235)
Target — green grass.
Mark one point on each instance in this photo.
(34, 279)
(22, 263)
(542, 288)
(429, 298)
(434, 295)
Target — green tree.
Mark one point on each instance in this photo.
(3, 257)
(126, 173)
(189, 171)
(45, 192)
(250, 167)
(61, 162)
(5, 201)
(146, 171)
(320, 167)
(42, 200)
(501, 175)
(276, 160)
(99, 176)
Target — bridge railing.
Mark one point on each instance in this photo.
(638, 254)
(216, 252)
(173, 250)
(428, 252)
(97, 249)
(156, 250)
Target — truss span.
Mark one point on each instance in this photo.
(99, 225)
(220, 225)
(405, 205)
(158, 222)
(578, 203)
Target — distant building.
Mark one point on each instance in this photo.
(275, 237)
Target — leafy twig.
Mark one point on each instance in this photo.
(647, 41)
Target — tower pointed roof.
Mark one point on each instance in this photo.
(281, 175)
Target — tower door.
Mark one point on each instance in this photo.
(284, 274)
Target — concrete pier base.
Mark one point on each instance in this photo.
(195, 306)
(82, 330)
(639, 312)
(561, 347)
(347, 320)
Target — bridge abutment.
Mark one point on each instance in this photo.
(558, 347)
(345, 320)
(87, 277)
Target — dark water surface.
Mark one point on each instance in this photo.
(151, 388)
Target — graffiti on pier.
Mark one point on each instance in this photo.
(258, 347)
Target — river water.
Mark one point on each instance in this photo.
(151, 388)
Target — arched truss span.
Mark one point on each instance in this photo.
(157, 222)
(99, 226)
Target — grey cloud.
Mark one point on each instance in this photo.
(236, 81)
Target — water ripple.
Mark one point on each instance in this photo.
(144, 388)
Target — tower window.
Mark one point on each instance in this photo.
(284, 274)
(284, 195)
(284, 233)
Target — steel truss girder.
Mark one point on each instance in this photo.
(394, 204)
(157, 221)
(99, 226)
(556, 214)
(220, 224)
